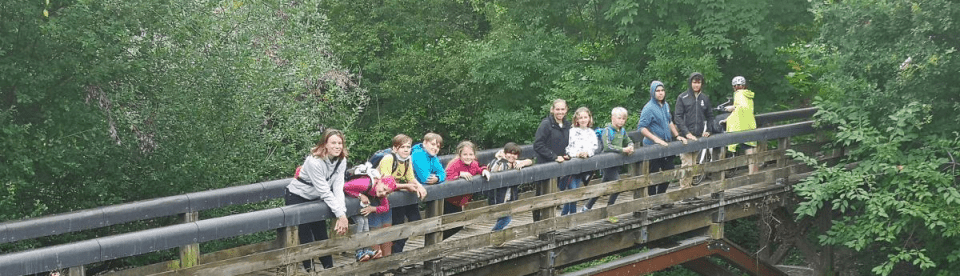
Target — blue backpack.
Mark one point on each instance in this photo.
(377, 156)
(610, 137)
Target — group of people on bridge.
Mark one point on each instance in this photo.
(325, 176)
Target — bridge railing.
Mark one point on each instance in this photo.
(193, 232)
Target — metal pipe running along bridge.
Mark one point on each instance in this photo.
(527, 247)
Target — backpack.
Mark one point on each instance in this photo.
(362, 170)
(599, 132)
(377, 156)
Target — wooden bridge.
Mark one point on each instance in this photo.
(540, 247)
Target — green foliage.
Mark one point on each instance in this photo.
(596, 88)
(106, 102)
(881, 70)
(490, 76)
(675, 55)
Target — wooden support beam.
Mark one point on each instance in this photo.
(720, 248)
(189, 254)
(434, 209)
(704, 266)
(546, 188)
(643, 168)
(288, 237)
(76, 271)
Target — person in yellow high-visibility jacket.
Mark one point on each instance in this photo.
(741, 117)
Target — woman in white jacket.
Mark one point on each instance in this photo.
(582, 144)
(321, 177)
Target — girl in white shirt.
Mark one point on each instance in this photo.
(583, 143)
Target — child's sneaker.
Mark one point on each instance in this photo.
(364, 255)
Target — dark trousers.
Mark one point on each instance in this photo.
(609, 174)
(411, 213)
(310, 232)
(449, 208)
(657, 165)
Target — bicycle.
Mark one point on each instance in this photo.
(718, 125)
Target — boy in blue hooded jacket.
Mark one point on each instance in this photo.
(427, 170)
(657, 128)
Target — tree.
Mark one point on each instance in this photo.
(884, 74)
(106, 102)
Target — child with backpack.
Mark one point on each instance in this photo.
(465, 165)
(613, 139)
(371, 216)
(395, 161)
(506, 159)
(583, 143)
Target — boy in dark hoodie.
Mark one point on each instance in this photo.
(691, 117)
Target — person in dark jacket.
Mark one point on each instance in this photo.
(550, 141)
(691, 116)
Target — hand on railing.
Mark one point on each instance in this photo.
(679, 138)
(421, 192)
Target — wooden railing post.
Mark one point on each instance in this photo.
(723, 155)
(643, 168)
(288, 237)
(548, 258)
(76, 271)
(783, 144)
(189, 254)
(754, 161)
(434, 209)
(543, 188)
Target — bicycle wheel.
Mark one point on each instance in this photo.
(704, 157)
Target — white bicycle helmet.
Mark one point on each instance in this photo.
(739, 80)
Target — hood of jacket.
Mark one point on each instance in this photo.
(747, 93)
(653, 91)
(418, 148)
(703, 82)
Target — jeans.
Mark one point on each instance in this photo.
(411, 213)
(499, 196)
(609, 174)
(569, 182)
(363, 225)
(310, 232)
